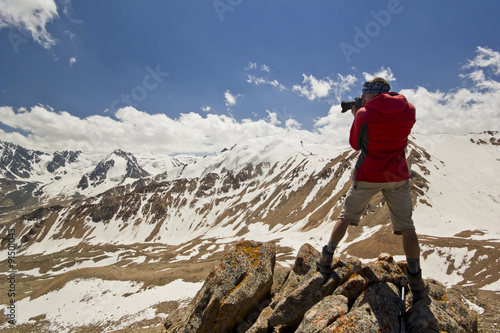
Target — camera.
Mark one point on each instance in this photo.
(347, 106)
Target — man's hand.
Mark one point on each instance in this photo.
(354, 110)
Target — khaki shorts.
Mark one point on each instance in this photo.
(397, 195)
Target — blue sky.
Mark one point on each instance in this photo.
(232, 66)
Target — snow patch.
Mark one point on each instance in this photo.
(100, 302)
(473, 307)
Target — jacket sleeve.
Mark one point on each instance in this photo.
(356, 129)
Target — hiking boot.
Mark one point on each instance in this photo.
(419, 288)
(324, 264)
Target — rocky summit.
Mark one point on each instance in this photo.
(243, 293)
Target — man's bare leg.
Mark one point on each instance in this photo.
(339, 231)
(418, 286)
(410, 243)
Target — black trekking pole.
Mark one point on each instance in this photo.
(403, 305)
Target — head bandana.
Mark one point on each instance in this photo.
(375, 88)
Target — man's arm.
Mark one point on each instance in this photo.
(356, 128)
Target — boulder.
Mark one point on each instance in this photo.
(376, 310)
(238, 297)
(305, 287)
(232, 290)
(444, 312)
(323, 314)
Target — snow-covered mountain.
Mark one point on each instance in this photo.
(262, 186)
(278, 190)
(29, 177)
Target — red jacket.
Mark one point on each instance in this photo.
(381, 129)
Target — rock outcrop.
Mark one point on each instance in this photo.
(242, 294)
(233, 289)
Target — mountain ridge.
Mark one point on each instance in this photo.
(281, 191)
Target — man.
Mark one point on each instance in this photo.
(380, 130)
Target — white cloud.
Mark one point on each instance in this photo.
(136, 131)
(335, 126)
(464, 110)
(206, 108)
(485, 58)
(343, 85)
(230, 98)
(292, 124)
(475, 107)
(385, 73)
(258, 80)
(251, 65)
(72, 61)
(273, 118)
(261, 80)
(30, 15)
(458, 111)
(70, 34)
(314, 88)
